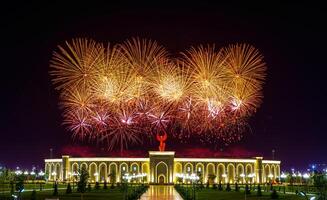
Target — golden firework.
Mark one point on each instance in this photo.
(120, 92)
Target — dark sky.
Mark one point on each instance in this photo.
(292, 118)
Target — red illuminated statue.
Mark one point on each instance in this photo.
(162, 139)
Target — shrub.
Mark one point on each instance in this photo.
(83, 177)
(97, 185)
(89, 187)
(208, 184)
(236, 187)
(214, 186)
(69, 189)
(220, 187)
(55, 189)
(259, 193)
(112, 186)
(274, 194)
(228, 187)
(33, 195)
(247, 189)
(105, 185)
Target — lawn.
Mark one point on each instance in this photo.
(109, 193)
(211, 194)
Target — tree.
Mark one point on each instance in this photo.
(274, 194)
(112, 176)
(259, 193)
(320, 182)
(69, 189)
(81, 185)
(20, 183)
(236, 187)
(105, 185)
(211, 177)
(228, 187)
(247, 189)
(33, 195)
(55, 189)
(97, 185)
(220, 187)
(89, 188)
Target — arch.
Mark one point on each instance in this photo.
(277, 171)
(163, 171)
(199, 168)
(248, 169)
(273, 171)
(161, 179)
(93, 172)
(103, 172)
(230, 172)
(48, 170)
(178, 169)
(146, 169)
(53, 169)
(240, 173)
(75, 167)
(58, 172)
(113, 169)
(123, 169)
(188, 168)
(135, 168)
(84, 166)
(210, 169)
(220, 171)
(266, 172)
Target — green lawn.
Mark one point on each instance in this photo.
(111, 194)
(211, 194)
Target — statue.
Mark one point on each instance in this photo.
(162, 139)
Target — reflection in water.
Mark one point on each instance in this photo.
(158, 192)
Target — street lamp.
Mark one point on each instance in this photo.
(74, 174)
(224, 176)
(54, 174)
(96, 174)
(41, 174)
(242, 176)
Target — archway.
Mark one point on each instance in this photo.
(240, 173)
(188, 168)
(221, 173)
(113, 169)
(211, 173)
(200, 171)
(178, 170)
(103, 172)
(145, 169)
(123, 169)
(93, 172)
(58, 172)
(48, 170)
(249, 172)
(267, 173)
(162, 170)
(230, 173)
(273, 172)
(161, 179)
(84, 166)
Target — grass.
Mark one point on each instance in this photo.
(210, 194)
(109, 193)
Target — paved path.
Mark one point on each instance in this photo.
(161, 192)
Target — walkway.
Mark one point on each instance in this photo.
(161, 192)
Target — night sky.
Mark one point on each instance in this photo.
(292, 119)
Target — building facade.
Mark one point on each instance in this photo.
(162, 167)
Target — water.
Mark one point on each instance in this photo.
(164, 192)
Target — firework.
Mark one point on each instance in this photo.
(122, 94)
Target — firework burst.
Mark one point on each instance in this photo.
(120, 93)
